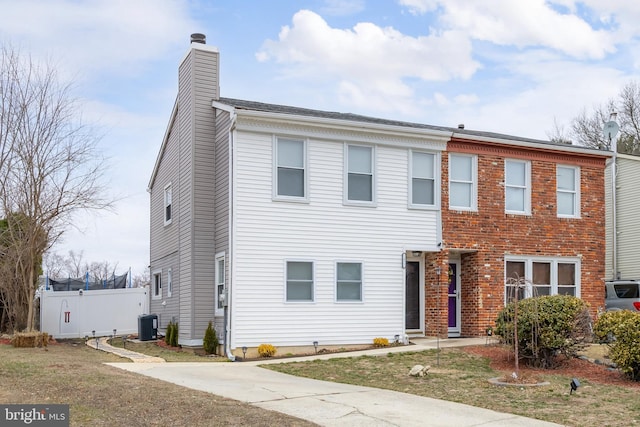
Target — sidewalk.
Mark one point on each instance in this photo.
(327, 403)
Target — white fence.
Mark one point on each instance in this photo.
(76, 314)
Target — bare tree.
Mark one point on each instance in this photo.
(587, 127)
(53, 167)
(142, 279)
(558, 134)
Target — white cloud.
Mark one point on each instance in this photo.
(368, 59)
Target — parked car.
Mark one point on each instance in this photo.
(622, 295)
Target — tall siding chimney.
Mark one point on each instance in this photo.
(198, 38)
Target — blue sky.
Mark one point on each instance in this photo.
(505, 66)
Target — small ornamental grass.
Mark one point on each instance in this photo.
(266, 350)
(380, 342)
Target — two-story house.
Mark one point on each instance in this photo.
(291, 226)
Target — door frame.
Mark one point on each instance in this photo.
(420, 260)
(455, 332)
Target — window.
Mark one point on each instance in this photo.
(538, 276)
(360, 179)
(568, 190)
(299, 281)
(169, 282)
(220, 282)
(349, 281)
(423, 179)
(156, 282)
(168, 203)
(517, 186)
(290, 168)
(463, 185)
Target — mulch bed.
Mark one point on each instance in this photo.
(502, 359)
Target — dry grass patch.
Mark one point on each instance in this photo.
(462, 376)
(100, 395)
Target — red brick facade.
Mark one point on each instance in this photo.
(479, 240)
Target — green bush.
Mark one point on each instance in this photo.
(547, 327)
(621, 331)
(210, 341)
(171, 336)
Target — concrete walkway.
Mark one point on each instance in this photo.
(326, 403)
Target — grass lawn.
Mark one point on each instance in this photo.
(100, 395)
(463, 377)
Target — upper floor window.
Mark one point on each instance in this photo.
(517, 186)
(299, 281)
(168, 204)
(423, 179)
(156, 282)
(220, 282)
(531, 277)
(463, 182)
(349, 281)
(291, 171)
(568, 191)
(360, 174)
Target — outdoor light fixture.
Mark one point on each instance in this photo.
(114, 334)
(244, 352)
(574, 385)
(416, 253)
(94, 338)
(315, 345)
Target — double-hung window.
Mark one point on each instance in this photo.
(220, 282)
(517, 186)
(156, 282)
(423, 179)
(291, 170)
(463, 182)
(568, 191)
(299, 281)
(360, 179)
(537, 276)
(168, 205)
(349, 281)
(169, 282)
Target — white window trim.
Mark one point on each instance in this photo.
(313, 281)
(220, 256)
(155, 273)
(474, 183)
(305, 160)
(374, 178)
(335, 281)
(169, 282)
(436, 181)
(576, 200)
(528, 272)
(165, 204)
(527, 192)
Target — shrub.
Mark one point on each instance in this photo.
(380, 342)
(167, 335)
(266, 350)
(210, 341)
(171, 336)
(30, 339)
(621, 331)
(547, 326)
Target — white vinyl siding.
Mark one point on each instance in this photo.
(463, 182)
(541, 276)
(299, 283)
(168, 204)
(517, 186)
(568, 191)
(360, 176)
(349, 281)
(423, 184)
(290, 169)
(324, 231)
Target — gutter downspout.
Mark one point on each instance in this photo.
(614, 213)
(227, 309)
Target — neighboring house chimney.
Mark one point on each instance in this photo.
(198, 38)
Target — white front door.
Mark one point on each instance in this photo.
(454, 299)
